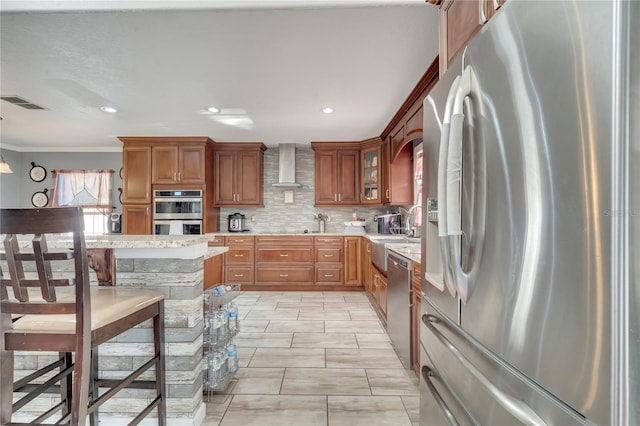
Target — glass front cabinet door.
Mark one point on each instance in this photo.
(371, 190)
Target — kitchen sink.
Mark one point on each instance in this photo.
(379, 251)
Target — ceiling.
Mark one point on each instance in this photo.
(270, 65)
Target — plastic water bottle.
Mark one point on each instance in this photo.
(232, 358)
(215, 327)
(223, 331)
(222, 357)
(232, 323)
(216, 361)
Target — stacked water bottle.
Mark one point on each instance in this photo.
(221, 324)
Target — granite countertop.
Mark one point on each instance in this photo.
(411, 250)
(371, 236)
(215, 251)
(119, 241)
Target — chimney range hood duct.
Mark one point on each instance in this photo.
(287, 166)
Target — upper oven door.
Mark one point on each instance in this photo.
(177, 208)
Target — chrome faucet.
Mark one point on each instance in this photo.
(409, 229)
(322, 218)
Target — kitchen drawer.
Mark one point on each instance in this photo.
(328, 241)
(238, 240)
(284, 241)
(290, 274)
(217, 241)
(328, 275)
(239, 255)
(328, 254)
(284, 255)
(239, 274)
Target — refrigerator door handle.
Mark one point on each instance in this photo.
(442, 190)
(427, 374)
(465, 88)
(514, 406)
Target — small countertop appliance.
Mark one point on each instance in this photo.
(114, 223)
(237, 222)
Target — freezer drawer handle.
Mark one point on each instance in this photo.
(514, 406)
(427, 374)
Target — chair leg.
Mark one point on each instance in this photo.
(66, 384)
(81, 379)
(94, 389)
(6, 373)
(158, 339)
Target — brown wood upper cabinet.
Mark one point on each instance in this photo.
(337, 173)
(238, 174)
(155, 162)
(371, 165)
(460, 20)
(136, 178)
(182, 164)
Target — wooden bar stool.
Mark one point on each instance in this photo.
(60, 312)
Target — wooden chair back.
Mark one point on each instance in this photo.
(40, 223)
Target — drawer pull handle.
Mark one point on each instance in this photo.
(284, 275)
(284, 255)
(328, 255)
(239, 255)
(328, 275)
(238, 275)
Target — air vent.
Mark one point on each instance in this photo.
(21, 102)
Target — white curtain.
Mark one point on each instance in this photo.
(90, 188)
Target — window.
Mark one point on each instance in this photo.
(90, 189)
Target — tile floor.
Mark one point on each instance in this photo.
(314, 358)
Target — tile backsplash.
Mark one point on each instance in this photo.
(276, 216)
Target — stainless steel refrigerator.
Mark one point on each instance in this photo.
(531, 209)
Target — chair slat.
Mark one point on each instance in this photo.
(58, 282)
(25, 308)
(51, 255)
(16, 271)
(44, 268)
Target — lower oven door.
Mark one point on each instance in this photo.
(177, 227)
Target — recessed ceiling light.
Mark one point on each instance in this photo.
(327, 110)
(213, 109)
(110, 110)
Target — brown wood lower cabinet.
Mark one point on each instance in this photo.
(239, 260)
(329, 257)
(284, 260)
(379, 290)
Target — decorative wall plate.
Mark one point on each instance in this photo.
(37, 173)
(40, 198)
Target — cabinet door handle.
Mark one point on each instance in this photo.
(386, 193)
(339, 197)
(284, 275)
(335, 197)
(284, 255)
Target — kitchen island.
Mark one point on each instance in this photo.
(172, 265)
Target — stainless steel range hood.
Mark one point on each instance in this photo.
(287, 166)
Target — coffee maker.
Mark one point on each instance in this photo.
(114, 223)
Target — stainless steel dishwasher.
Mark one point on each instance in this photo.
(398, 301)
